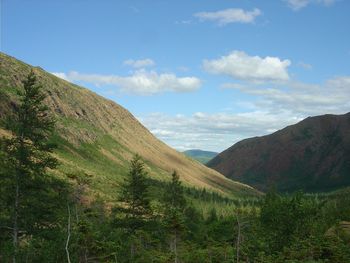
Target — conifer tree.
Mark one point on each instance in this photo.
(28, 150)
(135, 195)
(175, 203)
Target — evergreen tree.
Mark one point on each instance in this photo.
(175, 203)
(27, 153)
(135, 195)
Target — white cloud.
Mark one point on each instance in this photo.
(303, 99)
(141, 82)
(271, 109)
(239, 65)
(142, 63)
(213, 132)
(299, 4)
(227, 16)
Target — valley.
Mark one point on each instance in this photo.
(175, 131)
(103, 185)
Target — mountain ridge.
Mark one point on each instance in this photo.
(312, 155)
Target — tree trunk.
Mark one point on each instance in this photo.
(15, 221)
(68, 235)
(16, 205)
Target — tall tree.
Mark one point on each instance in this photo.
(28, 149)
(135, 202)
(135, 195)
(174, 204)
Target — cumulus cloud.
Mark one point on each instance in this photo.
(239, 65)
(227, 16)
(142, 63)
(141, 82)
(299, 4)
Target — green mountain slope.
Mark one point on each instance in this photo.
(312, 155)
(201, 156)
(98, 137)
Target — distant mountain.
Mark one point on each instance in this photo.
(98, 137)
(201, 156)
(312, 155)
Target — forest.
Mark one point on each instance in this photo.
(44, 218)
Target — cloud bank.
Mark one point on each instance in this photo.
(141, 82)
(212, 131)
(269, 109)
(302, 99)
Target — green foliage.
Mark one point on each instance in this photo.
(135, 196)
(174, 194)
(181, 224)
(29, 150)
(174, 204)
(285, 218)
(292, 228)
(30, 199)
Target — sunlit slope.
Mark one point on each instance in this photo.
(99, 137)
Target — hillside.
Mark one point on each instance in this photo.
(98, 137)
(312, 155)
(201, 156)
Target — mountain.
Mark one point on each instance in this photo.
(97, 137)
(312, 155)
(201, 156)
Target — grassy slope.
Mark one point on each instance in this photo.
(98, 137)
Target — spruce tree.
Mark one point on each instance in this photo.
(27, 151)
(174, 204)
(135, 195)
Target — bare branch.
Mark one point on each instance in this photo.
(68, 237)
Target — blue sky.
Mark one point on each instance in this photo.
(199, 74)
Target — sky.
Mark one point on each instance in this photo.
(198, 74)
